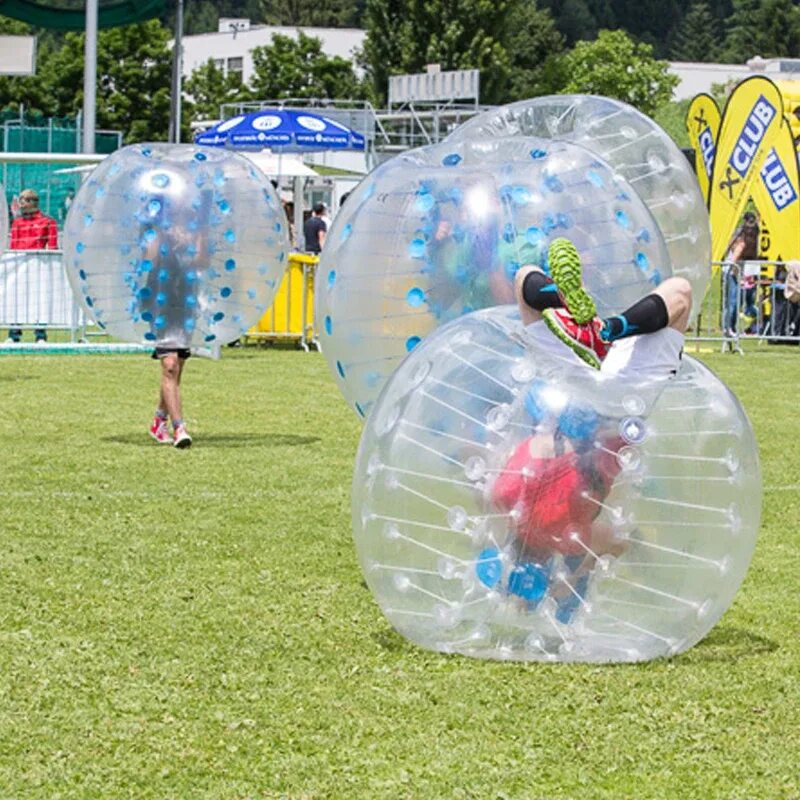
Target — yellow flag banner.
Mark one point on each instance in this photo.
(775, 193)
(702, 124)
(790, 92)
(750, 126)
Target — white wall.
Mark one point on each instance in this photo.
(198, 49)
(696, 77)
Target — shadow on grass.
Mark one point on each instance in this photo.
(727, 643)
(392, 641)
(224, 440)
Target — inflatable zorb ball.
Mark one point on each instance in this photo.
(637, 148)
(441, 231)
(175, 245)
(512, 505)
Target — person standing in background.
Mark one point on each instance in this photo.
(32, 230)
(315, 229)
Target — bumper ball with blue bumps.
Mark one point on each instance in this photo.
(507, 507)
(634, 146)
(441, 231)
(175, 245)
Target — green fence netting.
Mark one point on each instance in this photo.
(37, 134)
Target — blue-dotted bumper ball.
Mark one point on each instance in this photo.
(637, 148)
(441, 231)
(506, 506)
(175, 245)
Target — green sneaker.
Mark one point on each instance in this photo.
(565, 269)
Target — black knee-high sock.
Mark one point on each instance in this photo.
(647, 315)
(539, 292)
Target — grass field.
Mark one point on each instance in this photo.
(193, 624)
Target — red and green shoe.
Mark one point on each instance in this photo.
(565, 269)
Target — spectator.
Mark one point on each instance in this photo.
(743, 247)
(32, 230)
(315, 229)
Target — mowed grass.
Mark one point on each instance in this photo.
(194, 624)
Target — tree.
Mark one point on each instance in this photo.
(208, 87)
(299, 68)
(403, 36)
(697, 36)
(386, 45)
(203, 19)
(531, 40)
(323, 13)
(768, 28)
(133, 79)
(615, 66)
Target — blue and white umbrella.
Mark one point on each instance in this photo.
(281, 130)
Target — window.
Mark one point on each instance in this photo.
(236, 66)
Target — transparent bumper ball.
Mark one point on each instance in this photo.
(505, 507)
(637, 148)
(442, 230)
(175, 245)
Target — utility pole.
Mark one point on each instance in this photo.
(177, 76)
(90, 77)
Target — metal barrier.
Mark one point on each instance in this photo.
(745, 300)
(291, 317)
(35, 293)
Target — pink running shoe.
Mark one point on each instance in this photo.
(160, 431)
(182, 438)
(584, 340)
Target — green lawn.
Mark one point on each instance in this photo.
(193, 624)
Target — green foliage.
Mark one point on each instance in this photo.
(615, 66)
(133, 80)
(697, 36)
(203, 17)
(386, 43)
(768, 28)
(299, 68)
(531, 39)
(672, 118)
(209, 87)
(133, 74)
(506, 40)
(314, 13)
(195, 625)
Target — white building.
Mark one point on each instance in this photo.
(697, 77)
(231, 48)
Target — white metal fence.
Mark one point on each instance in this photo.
(35, 293)
(744, 301)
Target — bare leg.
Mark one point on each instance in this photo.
(677, 296)
(528, 314)
(170, 394)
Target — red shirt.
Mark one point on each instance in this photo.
(34, 232)
(555, 498)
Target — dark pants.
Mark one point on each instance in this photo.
(16, 334)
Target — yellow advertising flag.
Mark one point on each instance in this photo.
(775, 193)
(702, 124)
(790, 92)
(750, 126)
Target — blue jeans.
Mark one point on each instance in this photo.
(730, 307)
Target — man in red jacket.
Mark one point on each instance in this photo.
(32, 230)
